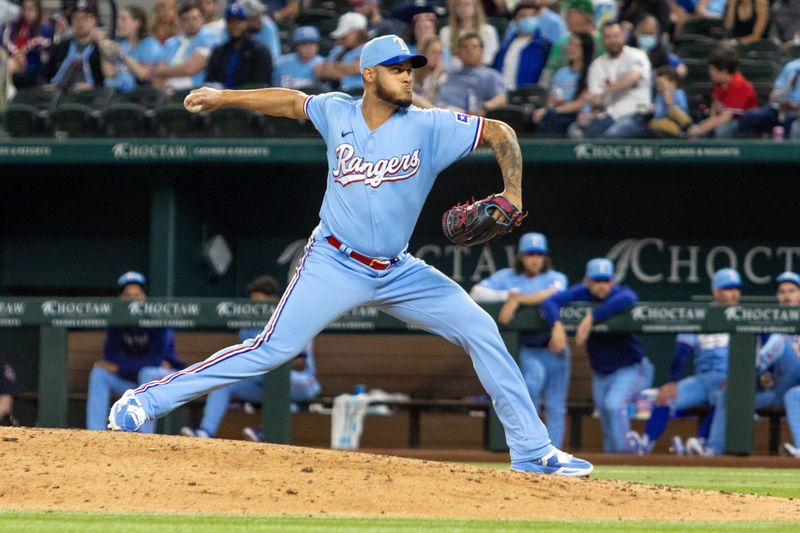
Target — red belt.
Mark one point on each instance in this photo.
(376, 264)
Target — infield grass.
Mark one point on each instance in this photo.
(45, 522)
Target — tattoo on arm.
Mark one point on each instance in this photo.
(506, 150)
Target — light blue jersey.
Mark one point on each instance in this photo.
(378, 180)
(148, 51)
(710, 351)
(292, 73)
(508, 279)
(564, 84)
(347, 83)
(788, 82)
(180, 48)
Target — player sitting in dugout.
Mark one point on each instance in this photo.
(620, 369)
(130, 356)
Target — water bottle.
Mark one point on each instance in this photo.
(778, 133)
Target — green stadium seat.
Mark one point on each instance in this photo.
(758, 70)
(287, 127)
(128, 120)
(515, 116)
(695, 47)
(28, 113)
(235, 122)
(763, 90)
(697, 70)
(763, 49)
(76, 120)
(708, 27)
(97, 98)
(793, 52)
(143, 95)
(323, 19)
(532, 95)
(173, 120)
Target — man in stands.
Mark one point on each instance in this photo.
(74, 63)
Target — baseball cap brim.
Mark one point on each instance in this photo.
(534, 250)
(600, 277)
(729, 285)
(417, 60)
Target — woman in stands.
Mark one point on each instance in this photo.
(467, 16)
(26, 40)
(165, 20)
(568, 89)
(429, 78)
(746, 20)
(127, 61)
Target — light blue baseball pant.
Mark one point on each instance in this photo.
(547, 374)
(786, 375)
(612, 393)
(250, 390)
(327, 284)
(791, 402)
(102, 384)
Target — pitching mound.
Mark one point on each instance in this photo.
(102, 471)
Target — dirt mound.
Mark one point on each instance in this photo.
(103, 471)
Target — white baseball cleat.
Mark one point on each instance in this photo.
(127, 413)
(187, 431)
(790, 450)
(557, 463)
(697, 446)
(677, 446)
(639, 444)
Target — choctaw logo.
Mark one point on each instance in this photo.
(649, 312)
(352, 169)
(250, 309)
(12, 308)
(72, 308)
(139, 308)
(758, 314)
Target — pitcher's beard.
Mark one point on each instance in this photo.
(401, 103)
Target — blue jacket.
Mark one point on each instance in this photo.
(532, 59)
(608, 352)
(132, 349)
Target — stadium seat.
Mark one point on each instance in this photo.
(97, 98)
(287, 127)
(28, 113)
(764, 49)
(173, 120)
(763, 90)
(758, 70)
(699, 96)
(528, 95)
(177, 97)
(77, 120)
(143, 95)
(323, 19)
(708, 27)
(515, 116)
(793, 52)
(235, 122)
(696, 48)
(697, 70)
(128, 120)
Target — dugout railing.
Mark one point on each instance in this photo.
(55, 316)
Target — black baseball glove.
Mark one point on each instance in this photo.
(475, 223)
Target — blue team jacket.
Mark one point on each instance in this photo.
(134, 348)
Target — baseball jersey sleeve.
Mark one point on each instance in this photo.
(595, 79)
(320, 108)
(454, 136)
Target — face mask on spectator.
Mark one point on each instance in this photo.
(647, 42)
(528, 25)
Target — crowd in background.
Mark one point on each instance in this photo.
(577, 68)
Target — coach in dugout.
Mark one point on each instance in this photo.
(131, 356)
(620, 369)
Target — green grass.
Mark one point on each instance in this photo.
(764, 481)
(36, 522)
(773, 482)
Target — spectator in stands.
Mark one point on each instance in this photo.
(74, 63)
(296, 70)
(467, 16)
(212, 22)
(620, 369)
(647, 36)
(341, 67)
(568, 89)
(185, 56)
(303, 384)
(8, 389)
(131, 356)
(239, 60)
(671, 116)
(633, 11)
(619, 88)
(376, 24)
(128, 61)
(579, 17)
(746, 21)
(551, 24)
(428, 79)
(710, 353)
(522, 58)
(531, 281)
(709, 9)
(422, 25)
(165, 20)
(778, 369)
(473, 88)
(782, 110)
(785, 22)
(732, 96)
(281, 10)
(262, 27)
(27, 41)
(8, 11)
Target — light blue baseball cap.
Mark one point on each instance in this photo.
(131, 277)
(305, 34)
(727, 278)
(600, 269)
(533, 243)
(788, 277)
(388, 50)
